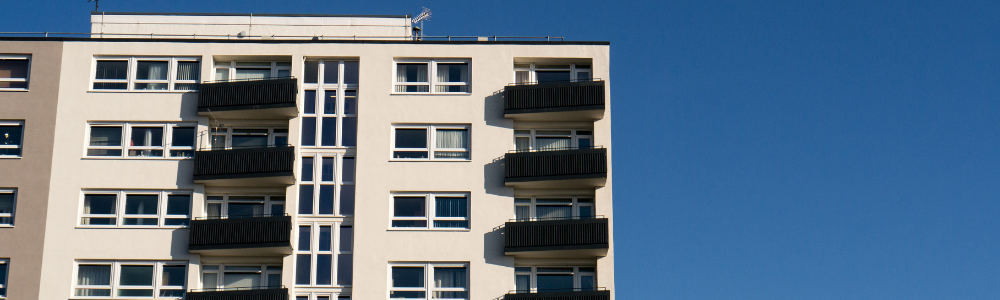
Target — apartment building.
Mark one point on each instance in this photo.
(306, 157)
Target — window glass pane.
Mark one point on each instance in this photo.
(411, 138)
(245, 210)
(10, 135)
(274, 280)
(347, 200)
(151, 70)
(522, 143)
(305, 235)
(110, 86)
(15, 84)
(311, 72)
(552, 76)
(140, 204)
(308, 131)
(14, 68)
(94, 275)
(252, 74)
(325, 237)
(330, 102)
(522, 283)
(350, 72)
(173, 276)
(350, 132)
(345, 267)
(214, 210)
(450, 277)
(586, 212)
(188, 70)
(522, 77)
(548, 282)
(178, 204)
(351, 102)
(330, 71)
(147, 136)
(584, 143)
(347, 169)
(453, 72)
(587, 283)
(6, 207)
(105, 135)
(451, 207)
(411, 72)
(99, 204)
(522, 212)
(409, 207)
(551, 143)
(452, 138)
(222, 74)
(324, 268)
(409, 223)
(307, 169)
(305, 199)
(309, 101)
(408, 277)
(112, 69)
(553, 212)
(327, 170)
(407, 295)
(346, 238)
(238, 280)
(136, 275)
(326, 199)
(183, 137)
(329, 131)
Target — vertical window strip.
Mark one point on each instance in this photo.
(330, 103)
(323, 190)
(323, 254)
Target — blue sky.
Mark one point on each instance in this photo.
(765, 149)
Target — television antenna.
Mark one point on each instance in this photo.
(95, 3)
(424, 15)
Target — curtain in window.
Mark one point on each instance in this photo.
(522, 77)
(451, 207)
(411, 73)
(152, 70)
(253, 73)
(13, 68)
(234, 280)
(522, 212)
(551, 143)
(94, 275)
(452, 138)
(187, 70)
(450, 277)
(548, 211)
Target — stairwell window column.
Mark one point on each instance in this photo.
(330, 102)
(324, 254)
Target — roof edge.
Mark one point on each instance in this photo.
(119, 40)
(241, 14)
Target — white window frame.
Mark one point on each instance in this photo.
(228, 134)
(231, 67)
(20, 144)
(574, 136)
(317, 180)
(27, 76)
(167, 148)
(268, 203)
(220, 273)
(314, 252)
(575, 206)
(13, 212)
(120, 216)
(432, 82)
(577, 274)
(3, 284)
(115, 285)
(430, 212)
(320, 90)
(131, 80)
(431, 139)
(428, 287)
(532, 68)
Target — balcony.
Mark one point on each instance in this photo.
(263, 235)
(557, 238)
(599, 294)
(249, 293)
(568, 168)
(245, 166)
(555, 101)
(266, 98)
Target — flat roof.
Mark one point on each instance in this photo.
(241, 14)
(302, 41)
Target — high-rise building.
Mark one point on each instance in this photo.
(312, 157)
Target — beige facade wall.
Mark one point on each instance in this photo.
(376, 244)
(22, 244)
(188, 26)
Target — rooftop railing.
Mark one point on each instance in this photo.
(281, 37)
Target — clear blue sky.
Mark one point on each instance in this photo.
(771, 150)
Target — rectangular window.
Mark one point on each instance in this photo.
(555, 279)
(430, 142)
(330, 117)
(429, 281)
(130, 279)
(135, 208)
(146, 73)
(324, 254)
(4, 267)
(437, 76)
(430, 211)
(227, 206)
(141, 140)
(11, 138)
(248, 137)
(240, 276)
(243, 70)
(321, 190)
(8, 200)
(553, 208)
(553, 139)
(14, 71)
(531, 73)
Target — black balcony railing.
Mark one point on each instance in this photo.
(244, 163)
(575, 163)
(247, 94)
(240, 233)
(554, 96)
(556, 234)
(574, 294)
(248, 293)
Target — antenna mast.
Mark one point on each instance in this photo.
(95, 3)
(424, 15)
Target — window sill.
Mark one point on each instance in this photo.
(12, 90)
(6, 226)
(130, 227)
(142, 92)
(10, 157)
(431, 94)
(431, 229)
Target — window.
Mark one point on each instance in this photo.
(130, 279)
(330, 102)
(320, 190)
(549, 208)
(433, 142)
(551, 279)
(4, 266)
(430, 210)
(11, 138)
(251, 70)
(239, 137)
(318, 244)
(429, 281)
(14, 71)
(141, 140)
(553, 139)
(8, 199)
(432, 77)
(529, 73)
(221, 277)
(146, 73)
(244, 206)
(321, 296)
(113, 208)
